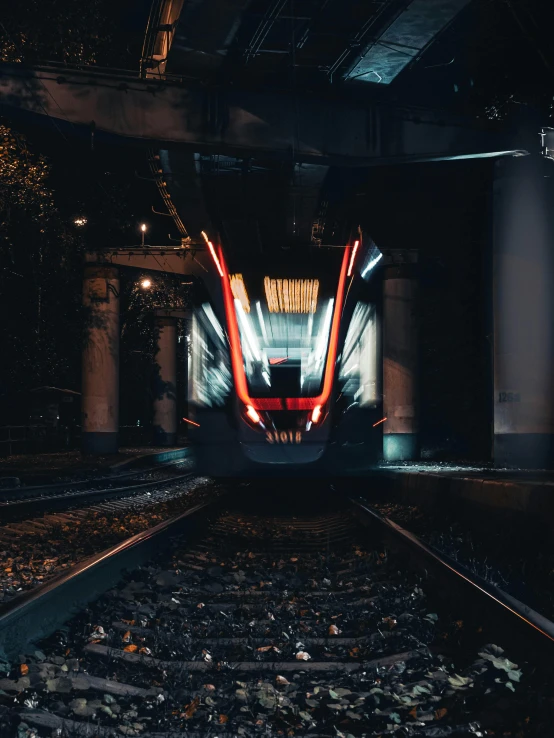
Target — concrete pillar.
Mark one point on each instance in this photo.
(523, 312)
(100, 378)
(165, 382)
(400, 357)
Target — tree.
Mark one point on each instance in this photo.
(56, 194)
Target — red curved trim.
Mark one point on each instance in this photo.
(237, 363)
(270, 403)
(301, 403)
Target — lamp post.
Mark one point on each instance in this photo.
(143, 231)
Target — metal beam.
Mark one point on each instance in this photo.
(246, 123)
(179, 313)
(404, 40)
(164, 15)
(191, 261)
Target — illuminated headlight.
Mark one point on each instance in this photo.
(252, 414)
(316, 414)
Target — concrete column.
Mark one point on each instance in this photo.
(100, 379)
(165, 382)
(523, 311)
(400, 358)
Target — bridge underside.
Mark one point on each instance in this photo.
(243, 123)
(254, 166)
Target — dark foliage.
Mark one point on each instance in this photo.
(59, 194)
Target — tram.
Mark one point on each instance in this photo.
(284, 367)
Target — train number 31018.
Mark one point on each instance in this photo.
(284, 436)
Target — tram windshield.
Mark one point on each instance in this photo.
(284, 318)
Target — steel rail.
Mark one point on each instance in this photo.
(498, 609)
(14, 494)
(111, 476)
(33, 506)
(38, 613)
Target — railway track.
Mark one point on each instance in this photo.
(35, 549)
(41, 523)
(26, 502)
(236, 618)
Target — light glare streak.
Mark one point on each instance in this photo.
(371, 264)
(291, 295)
(191, 422)
(354, 250)
(251, 338)
(262, 322)
(214, 257)
(324, 332)
(213, 320)
(239, 291)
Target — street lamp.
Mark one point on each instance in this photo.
(143, 231)
(146, 284)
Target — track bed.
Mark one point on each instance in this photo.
(258, 623)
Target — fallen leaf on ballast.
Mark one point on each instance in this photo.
(131, 648)
(281, 679)
(191, 708)
(499, 663)
(333, 630)
(303, 656)
(459, 682)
